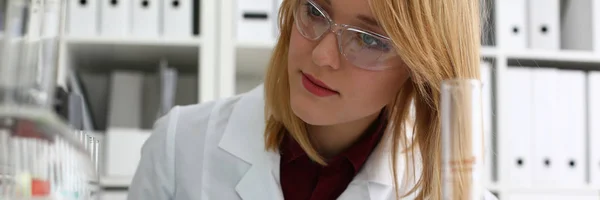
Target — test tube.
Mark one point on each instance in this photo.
(462, 140)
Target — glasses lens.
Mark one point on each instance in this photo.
(364, 49)
(311, 21)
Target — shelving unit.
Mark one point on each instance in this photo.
(559, 59)
(227, 67)
(115, 182)
(168, 42)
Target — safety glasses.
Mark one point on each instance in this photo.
(362, 48)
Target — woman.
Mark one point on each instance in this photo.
(333, 119)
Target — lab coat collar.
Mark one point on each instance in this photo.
(244, 138)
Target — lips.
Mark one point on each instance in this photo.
(317, 87)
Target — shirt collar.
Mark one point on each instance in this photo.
(357, 154)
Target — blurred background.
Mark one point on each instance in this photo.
(130, 61)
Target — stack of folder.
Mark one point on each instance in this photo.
(134, 18)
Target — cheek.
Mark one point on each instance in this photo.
(378, 88)
(300, 49)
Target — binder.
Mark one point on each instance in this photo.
(187, 89)
(275, 20)
(115, 17)
(571, 129)
(196, 17)
(125, 99)
(596, 25)
(35, 18)
(544, 24)
(576, 25)
(254, 20)
(517, 143)
(76, 88)
(168, 83)
(96, 90)
(51, 18)
(594, 127)
(544, 123)
(151, 101)
(145, 19)
(82, 18)
(2, 15)
(486, 79)
(177, 18)
(511, 19)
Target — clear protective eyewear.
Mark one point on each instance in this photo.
(364, 49)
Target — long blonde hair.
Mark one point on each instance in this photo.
(437, 39)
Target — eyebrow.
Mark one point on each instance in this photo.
(368, 20)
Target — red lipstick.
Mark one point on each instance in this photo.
(316, 87)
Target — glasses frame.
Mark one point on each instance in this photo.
(338, 30)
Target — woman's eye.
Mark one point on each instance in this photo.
(314, 11)
(372, 42)
(369, 40)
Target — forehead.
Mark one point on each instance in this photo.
(348, 6)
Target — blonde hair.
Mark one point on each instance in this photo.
(436, 39)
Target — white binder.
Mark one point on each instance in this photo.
(254, 20)
(486, 79)
(571, 129)
(511, 18)
(177, 18)
(576, 25)
(145, 19)
(544, 24)
(518, 127)
(594, 127)
(35, 18)
(276, 17)
(51, 18)
(82, 18)
(544, 141)
(596, 25)
(115, 17)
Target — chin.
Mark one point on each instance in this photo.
(311, 113)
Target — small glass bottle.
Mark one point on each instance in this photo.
(462, 140)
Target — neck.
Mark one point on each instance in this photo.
(332, 140)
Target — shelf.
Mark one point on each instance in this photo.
(191, 42)
(112, 53)
(492, 187)
(488, 52)
(256, 45)
(115, 182)
(559, 59)
(549, 189)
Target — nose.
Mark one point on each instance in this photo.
(326, 53)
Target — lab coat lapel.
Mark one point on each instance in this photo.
(261, 181)
(244, 138)
(375, 180)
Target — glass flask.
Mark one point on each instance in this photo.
(462, 140)
(41, 157)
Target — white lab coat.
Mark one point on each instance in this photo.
(215, 151)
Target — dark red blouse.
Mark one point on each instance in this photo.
(303, 179)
